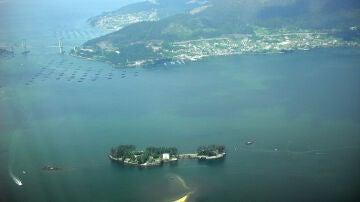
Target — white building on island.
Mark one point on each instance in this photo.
(166, 156)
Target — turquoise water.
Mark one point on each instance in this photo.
(301, 109)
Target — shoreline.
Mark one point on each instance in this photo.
(174, 60)
(158, 163)
(144, 165)
(200, 157)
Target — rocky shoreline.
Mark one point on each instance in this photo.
(146, 164)
(160, 162)
(201, 157)
(156, 156)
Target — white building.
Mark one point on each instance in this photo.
(166, 156)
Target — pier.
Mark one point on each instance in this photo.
(200, 157)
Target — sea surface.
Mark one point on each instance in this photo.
(301, 110)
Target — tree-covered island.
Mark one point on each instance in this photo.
(151, 156)
(5, 53)
(154, 156)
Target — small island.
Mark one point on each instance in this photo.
(5, 53)
(155, 156)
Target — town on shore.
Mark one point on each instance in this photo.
(263, 41)
(155, 156)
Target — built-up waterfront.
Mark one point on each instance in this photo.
(118, 21)
(262, 41)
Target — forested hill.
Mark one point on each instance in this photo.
(233, 16)
(165, 7)
(143, 11)
(224, 18)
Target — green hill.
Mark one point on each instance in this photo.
(224, 27)
(142, 12)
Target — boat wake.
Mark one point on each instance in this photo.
(14, 178)
(11, 155)
(185, 186)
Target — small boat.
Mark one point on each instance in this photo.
(26, 51)
(51, 168)
(15, 179)
(249, 142)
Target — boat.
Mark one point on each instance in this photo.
(249, 142)
(51, 168)
(15, 179)
(26, 51)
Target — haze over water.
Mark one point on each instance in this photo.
(301, 109)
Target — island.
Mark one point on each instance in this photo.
(155, 156)
(6, 53)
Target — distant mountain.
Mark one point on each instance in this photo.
(319, 14)
(247, 26)
(143, 11)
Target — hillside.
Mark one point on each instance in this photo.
(142, 12)
(224, 27)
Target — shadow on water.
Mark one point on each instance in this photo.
(121, 165)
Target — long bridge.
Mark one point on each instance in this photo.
(26, 48)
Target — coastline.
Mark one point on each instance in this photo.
(149, 63)
(146, 164)
(201, 157)
(158, 162)
(181, 60)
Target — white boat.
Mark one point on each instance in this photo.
(15, 179)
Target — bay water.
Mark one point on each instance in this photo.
(301, 110)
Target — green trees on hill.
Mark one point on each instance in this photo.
(122, 151)
(144, 42)
(211, 150)
(224, 17)
(154, 154)
(128, 151)
(157, 151)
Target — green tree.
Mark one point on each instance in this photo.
(122, 151)
(210, 150)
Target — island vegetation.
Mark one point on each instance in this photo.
(211, 150)
(149, 157)
(6, 53)
(154, 156)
